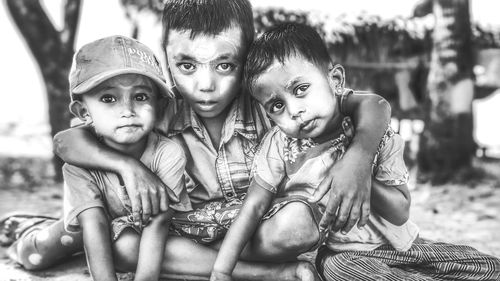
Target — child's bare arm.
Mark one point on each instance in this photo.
(97, 243)
(351, 190)
(152, 247)
(391, 202)
(78, 146)
(254, 207)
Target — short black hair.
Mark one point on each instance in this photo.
(208, 17)
(282, 42)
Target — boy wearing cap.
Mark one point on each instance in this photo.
(117, 88)
(219, 127)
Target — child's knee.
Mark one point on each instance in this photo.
(292, 229)
(126, 251)
(26, 254)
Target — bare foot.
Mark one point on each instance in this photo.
(12, 226)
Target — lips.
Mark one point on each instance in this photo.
(206, 106)
(307, 125)
(129, 126)
(208, 102)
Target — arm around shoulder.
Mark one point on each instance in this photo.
(80, 147)
(372, 115)
(390, 194)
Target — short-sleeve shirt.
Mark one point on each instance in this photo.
(86, 188)
(220, 173)
(215, 173)
(285, 168)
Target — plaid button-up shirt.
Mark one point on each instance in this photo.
(224, 171)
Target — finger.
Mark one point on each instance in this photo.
(154, 198)
(136, 202)
(146, 207)
(365, 214)
(330, 212)
(163, 199)
(354, 216)
(348, 127)
(322, 190)
(342, 215)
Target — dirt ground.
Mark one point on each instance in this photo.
(466, 213)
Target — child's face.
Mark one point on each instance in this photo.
(122, 109)
(298, 96)
(206, 69)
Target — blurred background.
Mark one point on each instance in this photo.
(436, 61)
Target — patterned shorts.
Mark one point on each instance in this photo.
(210, 222)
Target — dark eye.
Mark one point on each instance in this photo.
(277, 106)
(300, 90)
(225, 67)
(108, 99)
(186, 67)
(141, 97)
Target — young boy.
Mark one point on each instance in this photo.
(117, 88)
(289, 71)
(219, 128)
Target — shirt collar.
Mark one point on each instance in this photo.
(239, 120)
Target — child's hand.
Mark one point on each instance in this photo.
(219, 276)
(350, 193)
(148, 194)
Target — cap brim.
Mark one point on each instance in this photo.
(98, 79)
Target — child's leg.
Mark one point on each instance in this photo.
(349, 266)
(289, 229)
(126, 250)
(44, 245)
(454, 262)
(186, 257)
(423, 261)
(183, 256)
(289, 232)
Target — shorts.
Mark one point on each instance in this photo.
(210, 222)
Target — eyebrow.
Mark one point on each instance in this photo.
(293, 82)
(183, 56)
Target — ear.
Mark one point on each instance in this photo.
(80, 110)
(336, 77)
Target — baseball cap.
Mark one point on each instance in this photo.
(108, 57)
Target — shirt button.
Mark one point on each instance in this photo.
(230, 194)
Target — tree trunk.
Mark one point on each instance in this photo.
(447, 145)
(53, 51)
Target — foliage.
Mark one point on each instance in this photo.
(369, 37)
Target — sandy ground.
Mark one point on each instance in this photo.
(457, 213)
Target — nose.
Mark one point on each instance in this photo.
(295, 108)
(206, 79)
(127, 108)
